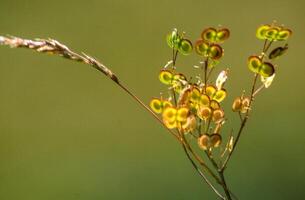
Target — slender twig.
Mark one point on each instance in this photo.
(227, 192)
(202, 174)
(243, 123)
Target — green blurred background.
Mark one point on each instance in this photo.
(69, 133)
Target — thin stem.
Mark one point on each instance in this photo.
(202, 174)
(206, 63)
(245, 119)
(199, 160)
(241, 126)
(210, 72)
(149, 110)
(227, 192)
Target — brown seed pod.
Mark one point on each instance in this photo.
(215, 140)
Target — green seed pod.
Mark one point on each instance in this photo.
(254, 63)
(204, 100)
(272, 33)
(201, 48)
(185, 47)
(220, 95)
(222, 35)
(215, 52)
(209, 34)
(266, 70)
(284, 34)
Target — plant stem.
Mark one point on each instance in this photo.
(227, 192)
(202, 174)
(245, 119)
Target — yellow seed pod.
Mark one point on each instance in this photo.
(195, 95)
(203, 142)
(237, 104)
(220, 95)
(158, 105)
(210, 91)
(261, 32)
(204, 113)
(170, 125)
(215, 140)
(214, 105)
(204, 100)
(166, 77)
(182, 114)
(169, 114)
(218, 115)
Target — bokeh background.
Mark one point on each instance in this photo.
(69, 133)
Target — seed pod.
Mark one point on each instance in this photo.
(204, 113)
(215, 140)
(277, 52)
(203, 142)
(218, 115)
(237, 104)
(185, 47)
